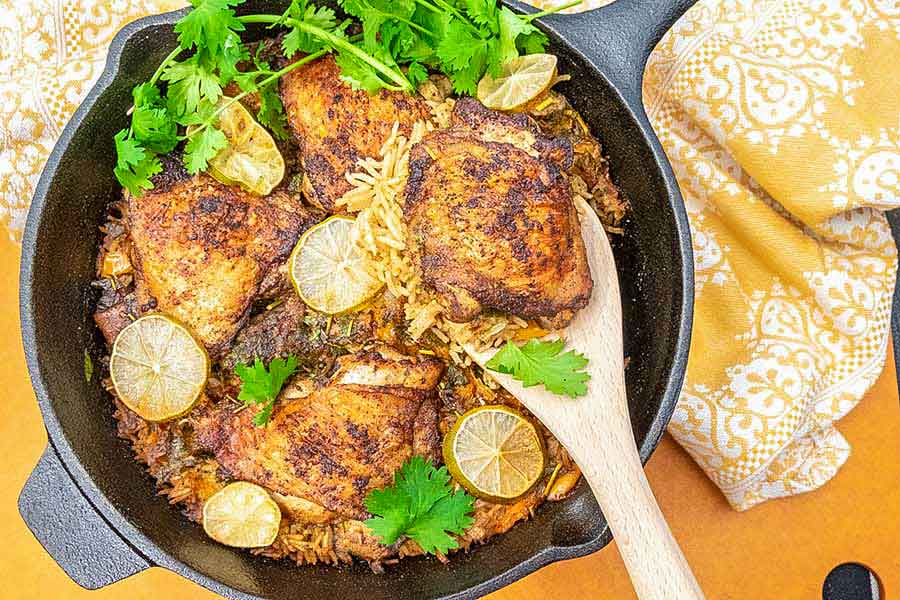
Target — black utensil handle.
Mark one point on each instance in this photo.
(71, 530)
(618, 38)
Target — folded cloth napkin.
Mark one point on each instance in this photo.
(780, 118)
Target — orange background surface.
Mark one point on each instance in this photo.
(781, 550)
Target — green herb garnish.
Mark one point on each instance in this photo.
(262, 386)
(400, 41)
(421, 505)
(88, 367)
(543, 362)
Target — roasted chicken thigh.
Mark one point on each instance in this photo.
(332, 444)
(337, 126)
(200, 249)
(492, 220)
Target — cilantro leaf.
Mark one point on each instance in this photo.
(458, 47)
(154, 129)
(298, 40)
(483, 13)
(190, 82)
(201, 147)
(232, 53)
(271, 112)
(450, 513)
(134, 164)
(262, 386)
(151, 124)
(373, 14)
(205, 112)
(128, 151)
(422, 505)
(511, 27)
(542, 362)
(416, 74)
(209, 25)
(146, 94)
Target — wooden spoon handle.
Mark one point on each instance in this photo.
(654, 561)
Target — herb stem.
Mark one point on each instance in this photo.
(336, 42)
(412, 25)
(165, 63)
(550, 11)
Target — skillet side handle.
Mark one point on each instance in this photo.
(618, 38)
(71, 530)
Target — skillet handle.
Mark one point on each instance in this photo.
(618, 38)
(71, 530)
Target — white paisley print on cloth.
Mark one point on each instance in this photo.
(780, 118)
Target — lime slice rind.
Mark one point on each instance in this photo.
(252, 159)
(158, 369)
(329, 271)
(495, 453)
(242, 515)
(522, 79)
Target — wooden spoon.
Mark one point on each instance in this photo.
(596, 430)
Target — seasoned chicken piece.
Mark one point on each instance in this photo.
(336, 126)
(333, 444)
(200, 250)
(492, 220)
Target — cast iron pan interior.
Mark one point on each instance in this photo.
(59, 249)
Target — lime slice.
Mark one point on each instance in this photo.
(242, 515)
(158, 368)
(523, 79)
(495, 453)
(329, 272)
(251, 159)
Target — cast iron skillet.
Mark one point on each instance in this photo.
(95, 509)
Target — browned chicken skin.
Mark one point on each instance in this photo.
(340, 441)
(337, 126)
(200, 250)
(492, 220)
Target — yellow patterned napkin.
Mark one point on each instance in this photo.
(781, 120)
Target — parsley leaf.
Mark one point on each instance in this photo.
(422, 505)
(201, 147)
(542, 362)
(262, 386)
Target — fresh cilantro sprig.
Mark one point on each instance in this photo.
(421, 505)
(543, 362)
(401, 41)
(262, 386)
